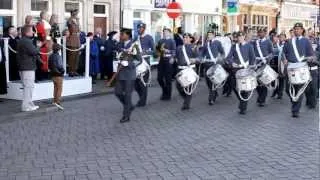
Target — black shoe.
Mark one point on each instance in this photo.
(261, 104)
(125, 119)
(162, 98)
(274, 94)
(242, 112)
(279, 97)
(295, 114)
(166, 98)
(185, 108)
(311, 107)
(211, 103)
(140, 105)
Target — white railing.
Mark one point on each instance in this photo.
(7, 48)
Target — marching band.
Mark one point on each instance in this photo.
(234, 62)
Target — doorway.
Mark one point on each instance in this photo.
(101, 22)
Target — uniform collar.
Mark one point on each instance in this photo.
(263, 39)
(126, 42)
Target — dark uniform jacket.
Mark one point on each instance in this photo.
(128, 72)
(303, 46)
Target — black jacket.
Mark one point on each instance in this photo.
(55, 65)
(27, 55)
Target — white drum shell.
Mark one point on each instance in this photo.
(266, 74)
(246, 80)
(141, 69)
(217, 74)
(298, 73)
(187, 77)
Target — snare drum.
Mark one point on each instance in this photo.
(217, 74)
(187, 77)
(115, 66)
(142, 68)
(246, 80)
(298, 73)
(266, 74)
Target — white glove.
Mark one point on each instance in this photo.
(82, 46)
(171, 61)
(102, 48)
(124, 63)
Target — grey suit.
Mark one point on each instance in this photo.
(125, 83)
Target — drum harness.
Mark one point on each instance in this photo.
(264, 61)
(244, 65)
(292, 92)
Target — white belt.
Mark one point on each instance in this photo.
(167, 55)
(146, 56)
(314, 68)
(185, 67)
(208, 60)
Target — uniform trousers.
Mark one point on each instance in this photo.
(123, 91)
(165, 70)
(212, 93)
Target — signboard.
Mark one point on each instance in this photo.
(174, 10)
(161, 3)
(232, 7)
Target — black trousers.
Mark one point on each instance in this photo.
(227, 88)
(281, 80)
(262, 93)
(165, 70)
(123, 91)
(295, 105)
(312, 89)
(186, 98)
(242, 104)
(212, 93)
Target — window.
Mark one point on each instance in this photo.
(137, 14)
(254, 19)
(39, 5)
(245, 19)
(99, 9)
(5, 4)
(69, 6)
(5, 22)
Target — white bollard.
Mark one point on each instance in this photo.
(6, 54)
(64, 54)
(87, 57)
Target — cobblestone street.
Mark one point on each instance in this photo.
(86, 141)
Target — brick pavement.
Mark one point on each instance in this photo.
(87, 142)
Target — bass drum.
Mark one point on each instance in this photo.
(226, 44)
(246, 81)
(218, 75)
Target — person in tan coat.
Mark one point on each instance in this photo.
(73, 42)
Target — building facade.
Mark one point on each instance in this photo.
(252, 15)
(196, 15)
(292, 11)
(92, 13)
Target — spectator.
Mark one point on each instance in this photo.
(73, 42)
(109, 53)
(56, 72)
(55, 31)
(94, 57)
(82, 58)
(3, 77)
(102, 60)
(27, 58)
(13, 69)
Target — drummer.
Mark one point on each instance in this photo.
(278, 43)
(264, 53)
(248, 60)
(304, 49)
(183, 63)
(211, 53)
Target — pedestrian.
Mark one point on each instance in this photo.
(73, 43)
(55, 30)
(94, 58)
(13, 69)
(241, 56)
(186, 58)
(56, 73)
(99, 39)
(126, 75)
(108, 54)
(298, 49)
(166, 49)
(26, 59)
(210, 54)
(146, 46)
(3, 76)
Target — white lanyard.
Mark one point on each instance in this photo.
(259, 50)
(185, 55)
(296, 53)
(0, 54)
(244, 64)
(139, 44)
(210, 53)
